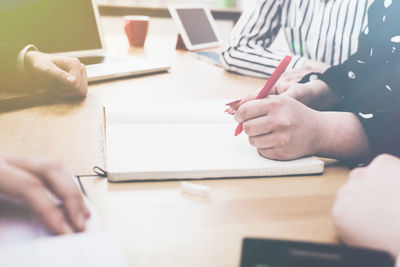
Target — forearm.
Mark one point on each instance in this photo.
(315, 94)
(248, 51)
(255, 61)
(13, 76)
(342, 136)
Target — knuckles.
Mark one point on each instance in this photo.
(54, 215)
(253, 141)
(274, 102)
(282, 140)
(53, 167)
(33, 184)
(276, 153)
(44, 69)
(75, 62)
(285, 122)
(242, 113)
(280, 154)
(248, 128)
(73, 197)
(31, 187)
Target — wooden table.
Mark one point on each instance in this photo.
(153, 222)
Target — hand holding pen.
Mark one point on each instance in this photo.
(279, 126)
(264, 91)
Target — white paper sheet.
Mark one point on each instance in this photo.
(25, 242)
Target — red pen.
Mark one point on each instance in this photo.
(269, 85)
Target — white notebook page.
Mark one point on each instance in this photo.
(186, 140)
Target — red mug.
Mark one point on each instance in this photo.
(136, 28)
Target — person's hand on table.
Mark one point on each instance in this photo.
(33, 180)
(291, 77)
(367, 208)
(64, 75)
(280, 127)
(315, 94)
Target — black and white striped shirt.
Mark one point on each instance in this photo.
(322, 30)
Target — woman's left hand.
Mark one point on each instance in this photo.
(291, 77)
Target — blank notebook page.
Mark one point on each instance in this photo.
(186, 140)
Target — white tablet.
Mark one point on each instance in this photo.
(196, 26)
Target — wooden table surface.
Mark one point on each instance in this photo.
(154, 223)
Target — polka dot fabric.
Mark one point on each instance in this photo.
(369, 80)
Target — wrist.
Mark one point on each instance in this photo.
(30, 59)
(318, 144)
(22, 57)
(326, 96)
(340, 135)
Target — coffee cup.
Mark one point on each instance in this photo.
(136, 28)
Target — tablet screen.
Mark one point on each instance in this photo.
(197, 26)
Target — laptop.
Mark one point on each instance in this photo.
(71, 28)
(111, 67)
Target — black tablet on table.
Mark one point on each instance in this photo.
(280, 253)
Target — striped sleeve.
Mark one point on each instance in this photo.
(248, 52)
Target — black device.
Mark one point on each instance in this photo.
(281, 253)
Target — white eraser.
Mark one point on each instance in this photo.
(195, 189)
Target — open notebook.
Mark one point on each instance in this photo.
(185, 140)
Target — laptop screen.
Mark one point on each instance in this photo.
(52, 25)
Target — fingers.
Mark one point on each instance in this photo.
(281, 88)
(60, 182)
(259, 126)
(40, 201)
(27, 187)
(51, 73)
(263, 141)
(66, 76)
(294, 76)
(253, 109)
(76, 79)
(78, 70)
(233, 106)
(275, 153)
(84, 83)
(269, 153)
(300, 92)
